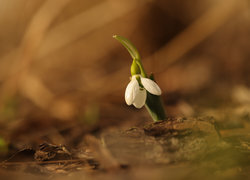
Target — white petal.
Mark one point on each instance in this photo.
(151, 86)
(140, 98)
(131, 91)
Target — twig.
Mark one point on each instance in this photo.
(43, 162)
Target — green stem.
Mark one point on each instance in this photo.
(138, 62)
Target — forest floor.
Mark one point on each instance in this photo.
(213, 144)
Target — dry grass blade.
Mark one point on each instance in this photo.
(194, 34)
(29, 47)
(84, 23)
(77, 27)
(36, 44)
(34, 36)
(102, 154)
(198, 31)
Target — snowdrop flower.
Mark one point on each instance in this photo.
(141, 90)
(136, 94)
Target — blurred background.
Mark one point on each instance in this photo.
(63, 75)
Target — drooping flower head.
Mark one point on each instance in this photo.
(135, 92)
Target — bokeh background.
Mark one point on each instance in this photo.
(62, 74)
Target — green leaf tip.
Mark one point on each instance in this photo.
(129, 46)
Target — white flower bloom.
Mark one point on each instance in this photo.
(136, 95)
(151, 86)
(131, 91)
(140, 99)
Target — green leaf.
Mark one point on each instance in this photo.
(129, 46)
(155, 106)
